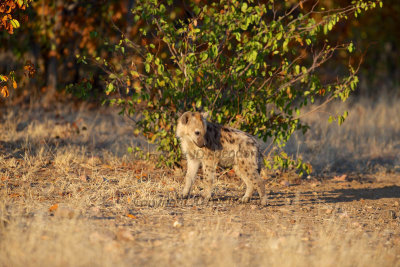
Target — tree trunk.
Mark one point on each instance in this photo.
(52, 63)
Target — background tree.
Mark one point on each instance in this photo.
(10, 11)
(54, 34)
(57, 31)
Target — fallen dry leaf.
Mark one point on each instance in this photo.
(131, 216)
(53, 208)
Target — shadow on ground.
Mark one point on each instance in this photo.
(350, 194)
(341, 195)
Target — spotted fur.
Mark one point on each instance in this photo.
(209, 144)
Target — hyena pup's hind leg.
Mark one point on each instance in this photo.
(242, 173)
(209, 168)
(252, 178)
(260, 184)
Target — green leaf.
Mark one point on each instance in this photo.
(237, 36)
(330, 25)
(350, 47)
(297, 69)
(203, 56)
(198, 103)
(147, 67)
(134, 73)
(285, 45)
(244, 7)
(15, 23)
(253, 56)
(110, 88)
(340, 120)
(214, 51)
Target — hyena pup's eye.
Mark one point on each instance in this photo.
(197, 132)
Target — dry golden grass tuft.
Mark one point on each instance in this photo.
(367, 142)
(70, 195)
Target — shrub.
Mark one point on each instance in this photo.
(251, 65)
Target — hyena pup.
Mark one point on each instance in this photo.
(211, 144)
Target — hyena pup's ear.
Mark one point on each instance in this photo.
(185, 118)
(205, 114)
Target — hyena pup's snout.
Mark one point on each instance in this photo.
(199, 137)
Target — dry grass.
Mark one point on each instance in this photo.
(368, 141)
(70, 195)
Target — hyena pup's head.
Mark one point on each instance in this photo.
(193, 126)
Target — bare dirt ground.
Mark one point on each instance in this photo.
(71, 195)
